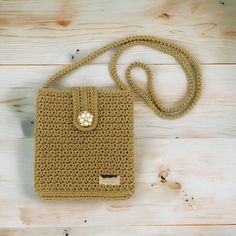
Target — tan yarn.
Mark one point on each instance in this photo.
(74, 161)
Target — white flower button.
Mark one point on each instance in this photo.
(85, 118)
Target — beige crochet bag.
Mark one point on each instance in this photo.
(84, 137)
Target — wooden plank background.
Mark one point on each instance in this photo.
(37, 38)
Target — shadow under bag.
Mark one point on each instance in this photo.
(84, 136)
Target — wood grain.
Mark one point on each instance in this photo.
(203, 167)
(198, 197)
(125, 231)
(213, 117)
(47, 32)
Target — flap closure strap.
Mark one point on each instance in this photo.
(85, 108)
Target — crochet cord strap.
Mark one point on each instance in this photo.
(188, 63)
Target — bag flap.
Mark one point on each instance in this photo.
(85, 108)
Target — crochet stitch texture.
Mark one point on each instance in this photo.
(69, 160)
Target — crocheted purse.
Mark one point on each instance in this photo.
(84, 136)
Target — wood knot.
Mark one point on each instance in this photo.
(63, 22)
(164, 16)
(170, 179)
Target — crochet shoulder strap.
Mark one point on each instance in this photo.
(188, 63)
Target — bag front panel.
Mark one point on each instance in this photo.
(81, 164)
